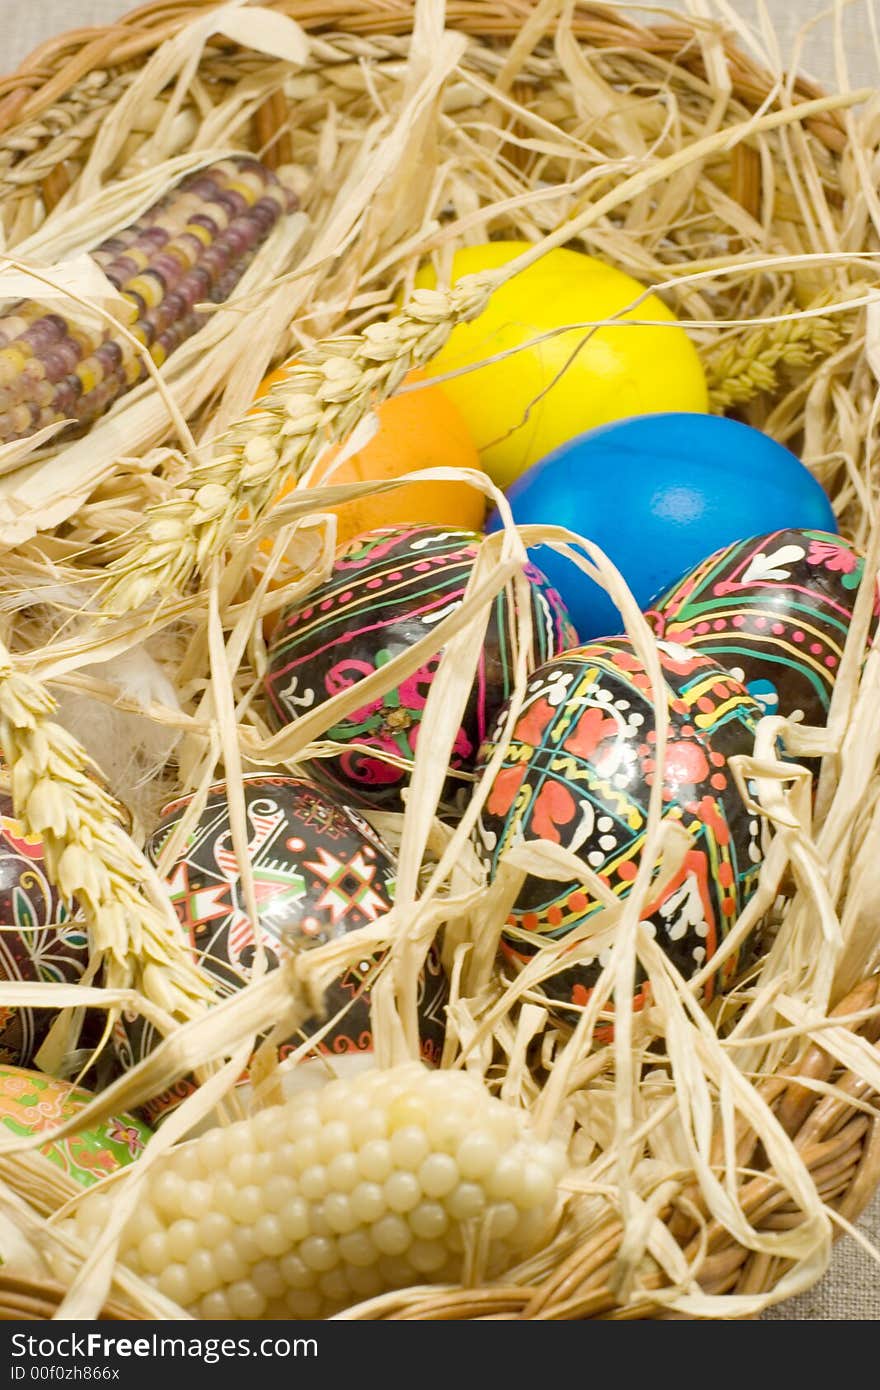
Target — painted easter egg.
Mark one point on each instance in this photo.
(31, 1101)
(775, 610)
(319, 871)
(657, 495)
(38, 939)
(520, 407)
(387, 590)
(416, 429)
(578, 772)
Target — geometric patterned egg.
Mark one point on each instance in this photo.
(319, 872)
(31, 1101)
(38, 941)
(578, 772)
(775, 610)
(388, 589)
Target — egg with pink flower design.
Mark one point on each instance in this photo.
(774, 610)
(388, 589)
(33, 1103)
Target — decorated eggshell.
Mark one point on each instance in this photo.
(657, 494)
(775, 610)
(319, 871)
(387, 590)
(578, 772)
(31, 1101)
(38, 940)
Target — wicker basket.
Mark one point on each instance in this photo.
(792, 188)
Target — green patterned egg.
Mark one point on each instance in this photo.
(31, 1101)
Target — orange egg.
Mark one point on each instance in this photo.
(279, 374)
(417, 429)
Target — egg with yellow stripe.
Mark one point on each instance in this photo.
(775, 610)
(578, 771)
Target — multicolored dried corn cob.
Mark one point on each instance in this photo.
(367, 1185)
(190, 247)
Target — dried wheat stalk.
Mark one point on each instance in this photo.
(132, 930)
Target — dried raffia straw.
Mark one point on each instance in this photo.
(711, 1152)
(322, 399)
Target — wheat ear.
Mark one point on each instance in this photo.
(132, 927)
(321, 399)
(740, 368)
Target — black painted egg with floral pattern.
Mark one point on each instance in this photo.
(39, 941)
(388, 589)
(578, 772)
(775, 610)
(319, 871)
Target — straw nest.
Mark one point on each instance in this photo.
(714, 1158)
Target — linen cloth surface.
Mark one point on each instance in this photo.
(851, 1288)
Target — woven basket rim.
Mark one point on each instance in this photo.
(55, 65)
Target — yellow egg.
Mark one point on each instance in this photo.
(516, 409)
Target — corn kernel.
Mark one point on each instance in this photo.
(193, 244)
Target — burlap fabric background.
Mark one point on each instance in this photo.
(852, 1287)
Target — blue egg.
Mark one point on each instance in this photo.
(659, 493)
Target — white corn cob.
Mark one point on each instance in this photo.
(367, 1185)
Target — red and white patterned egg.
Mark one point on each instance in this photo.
(388, 589)
(577, 771)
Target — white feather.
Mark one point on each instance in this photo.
(131, 747)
